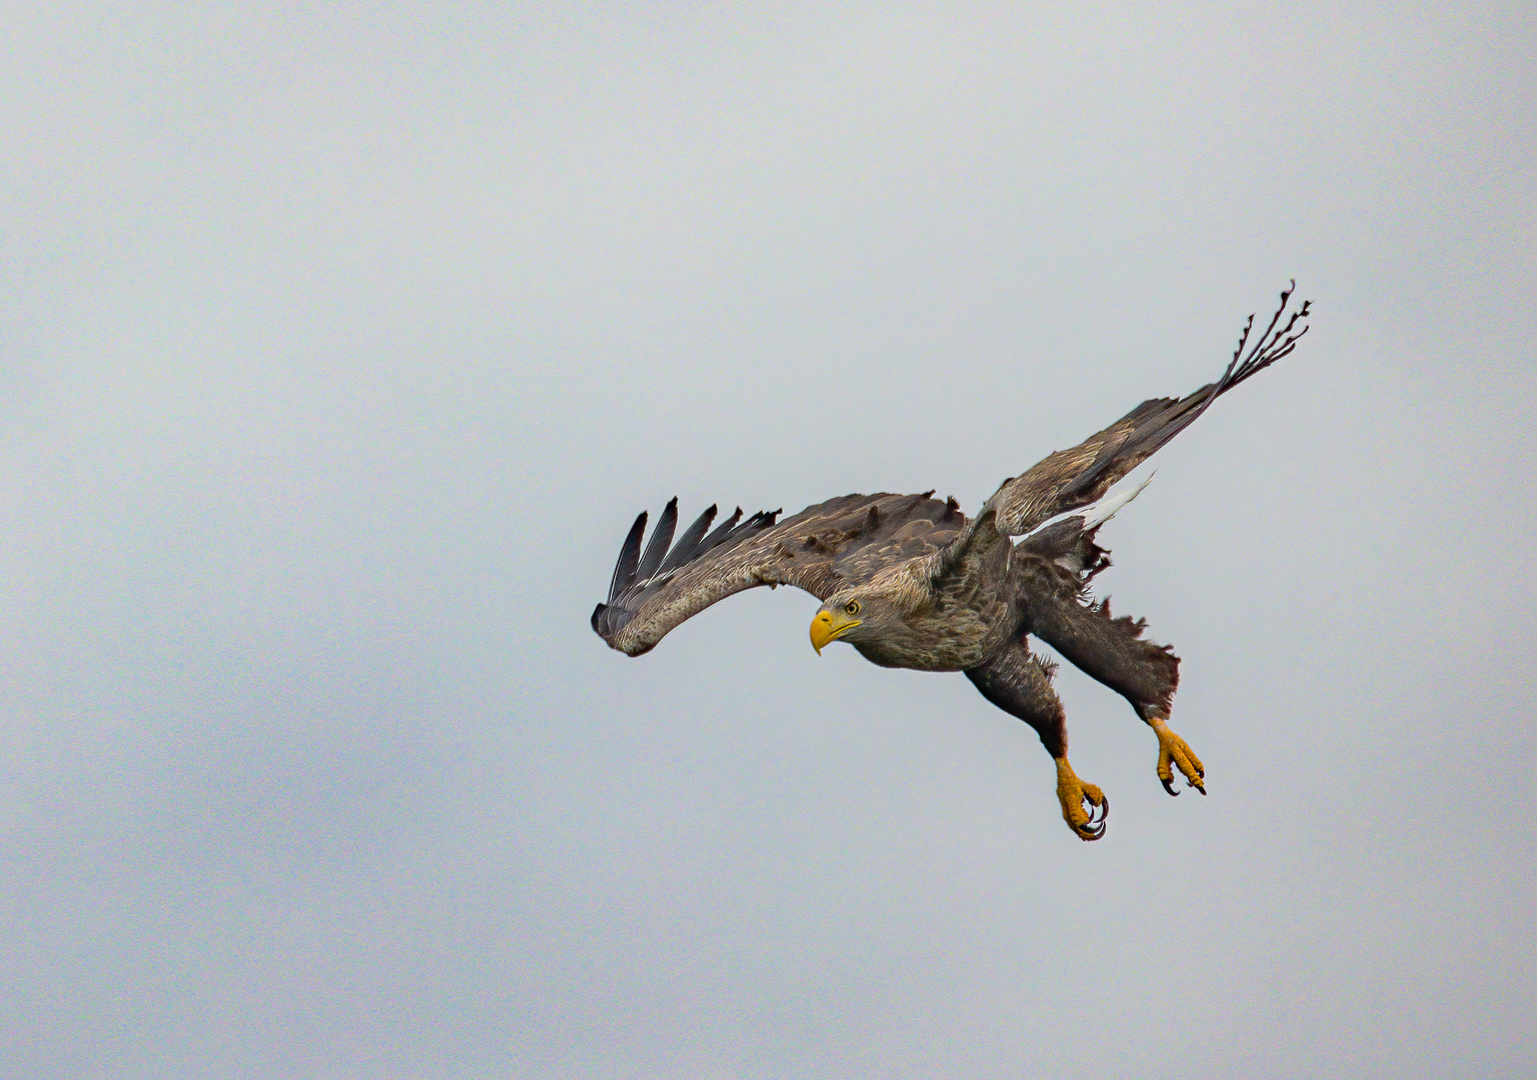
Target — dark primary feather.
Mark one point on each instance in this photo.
(661, 537)
(629, 558)
(688, 544)
(721, 532)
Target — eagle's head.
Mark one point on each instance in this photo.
(862, 617)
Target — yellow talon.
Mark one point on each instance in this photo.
(1174, 750)
(1073, 793)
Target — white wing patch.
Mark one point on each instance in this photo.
(1107, 507)
(1098, 514)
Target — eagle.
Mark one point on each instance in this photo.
(911, 582)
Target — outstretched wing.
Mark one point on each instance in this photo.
(1069, 479)
(823, 548)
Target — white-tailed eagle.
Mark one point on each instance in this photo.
(911, 582)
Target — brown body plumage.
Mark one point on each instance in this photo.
(911, 582)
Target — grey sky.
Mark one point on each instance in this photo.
(340, 345)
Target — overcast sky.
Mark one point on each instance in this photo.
(340, 345)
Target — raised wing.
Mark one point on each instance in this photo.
(823, 548)
(1069, 479)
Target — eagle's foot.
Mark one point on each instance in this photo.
(1073, 793)
(1174, 750)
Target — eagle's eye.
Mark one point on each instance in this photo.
(852, 607)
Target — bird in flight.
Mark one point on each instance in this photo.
(912, 582)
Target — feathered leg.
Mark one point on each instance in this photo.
(1054, 570)
(1020, 685)
(1114, 652)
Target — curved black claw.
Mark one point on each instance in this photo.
(1101, 812)
(1168, 785)
(1094, 828)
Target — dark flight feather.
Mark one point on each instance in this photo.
(661, 537)
(629, 558)
(688, 543)
(721, 532)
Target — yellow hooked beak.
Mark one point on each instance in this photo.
(827, 628)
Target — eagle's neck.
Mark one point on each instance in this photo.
(948, 628)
